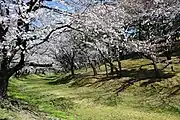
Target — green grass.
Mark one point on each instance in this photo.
(86, 97)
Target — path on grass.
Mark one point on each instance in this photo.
(78, 103)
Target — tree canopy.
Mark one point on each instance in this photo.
(73, 34)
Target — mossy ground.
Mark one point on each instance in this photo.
(88, 97)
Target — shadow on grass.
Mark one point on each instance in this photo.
(145, 75)
(62, 80)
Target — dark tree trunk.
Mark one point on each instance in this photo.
(108, 61)
(72, 68)
(94, 69)
(72, 71)
(72, 65)
(106, 69)
(37, 71)
(86, 67)
(93, 66)
(99, 65)
(4, 79)
(120, 69)
(111, 66)
(156, 70)
(168, 56)
(112, 70)
(6, 73)
(3, 86)
(4, 76)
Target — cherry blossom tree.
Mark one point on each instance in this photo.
(147, 27)
(24, 25)
(102, 28)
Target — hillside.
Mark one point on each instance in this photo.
(88, 97)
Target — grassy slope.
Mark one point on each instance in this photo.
(72, 99)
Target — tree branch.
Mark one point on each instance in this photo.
(48, 36)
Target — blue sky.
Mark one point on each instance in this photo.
(55, 4)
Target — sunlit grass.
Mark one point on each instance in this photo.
(79, 99)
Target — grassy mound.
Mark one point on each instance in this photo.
(88, 97)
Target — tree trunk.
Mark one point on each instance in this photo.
(3, 86)
(156, 70)
(99, 65)
(120, 69)
(168, 56)
(111, 66)
(86, 67)
(72, 69)
(108, 61)
(92, 66)
(72, 64)
(94, 69)
(6, 73)
(106, 69)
